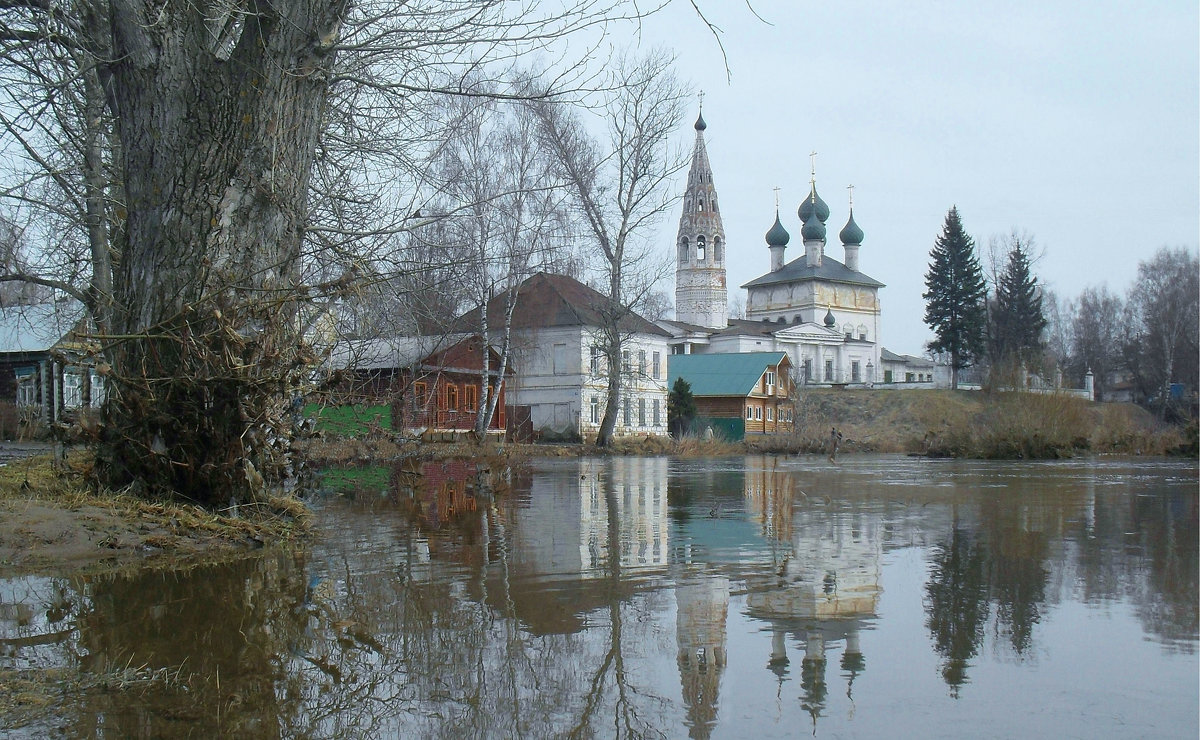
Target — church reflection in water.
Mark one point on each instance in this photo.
(814, 583)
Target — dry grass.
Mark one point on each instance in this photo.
(92, 527)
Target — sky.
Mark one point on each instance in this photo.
(1075, 123)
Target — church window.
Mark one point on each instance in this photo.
(855, 372)
(808, 376)
(848, 330)
(700, 205)
(700, 249)
(862, 332)
(714, 205)
(683, 249)
(717, 247)
(829, 371)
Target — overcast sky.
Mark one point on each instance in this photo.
(1076, 122)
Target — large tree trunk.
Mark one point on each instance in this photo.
(218, 115)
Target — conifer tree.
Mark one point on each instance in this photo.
(954, 296)
(681, 408)
(1018, 320)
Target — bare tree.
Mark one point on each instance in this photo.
(1164, 304)
(203, 167)
(1098, 327)
(621, 190)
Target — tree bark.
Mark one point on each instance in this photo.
(218, 121)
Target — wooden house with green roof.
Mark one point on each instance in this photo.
(742, 393)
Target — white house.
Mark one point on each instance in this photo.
(561, 375)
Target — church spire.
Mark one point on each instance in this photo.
(700, 292)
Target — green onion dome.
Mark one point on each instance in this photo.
(700, 124)
(778, 236)
(829, 320)
(813, 204)
(850, 233)
(813, 227)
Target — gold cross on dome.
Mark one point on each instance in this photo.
(851, 189)
(776, 189)
(812, 158)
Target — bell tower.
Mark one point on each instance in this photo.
(700, 292)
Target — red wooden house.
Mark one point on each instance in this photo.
(429, 384)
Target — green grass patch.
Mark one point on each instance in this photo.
(350, 421)
(356, 480)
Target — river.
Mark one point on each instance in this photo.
(879, 596)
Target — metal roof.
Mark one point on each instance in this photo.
(731, 374)
(829, 270)
(39, 326)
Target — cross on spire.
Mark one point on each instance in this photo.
(851, 189)
(776, 189)
(701, 100)
(812, 158)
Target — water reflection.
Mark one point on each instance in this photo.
(642, 596)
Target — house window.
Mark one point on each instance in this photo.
(72, 390)
(470, 397)
(700, 249)
(641, 362)
(594, 364)
(749, 413)
(758, 413)
(419, 391)
(641, 412)
(628, 411)
(789, 415)
(855, 372)
(657, 417)
(97, 391)
(625, 368)
(657, 364)
(595, 410)
(829, 371)
(26, 386)
(451, 397)
(770, 414)
(908, 377)
(770, 380)
(560, 359)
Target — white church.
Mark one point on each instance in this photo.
(823, 313)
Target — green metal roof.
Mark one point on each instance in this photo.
(733, 374)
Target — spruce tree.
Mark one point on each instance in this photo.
(954, 296)
(1019, 319)
(681, 408)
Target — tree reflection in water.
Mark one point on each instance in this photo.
(956, 604)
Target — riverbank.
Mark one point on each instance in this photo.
(52, 521)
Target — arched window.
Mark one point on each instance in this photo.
(717, 253)
(848, 330)
(700, 205)
(862, 332)
(714, 205)
(683, 249)
(700, 249)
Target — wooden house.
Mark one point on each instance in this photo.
(47, 365)
(744, 393)
(430, 383)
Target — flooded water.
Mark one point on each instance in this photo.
(743, 597)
